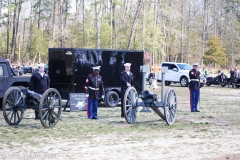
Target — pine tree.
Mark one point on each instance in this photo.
(216, 52)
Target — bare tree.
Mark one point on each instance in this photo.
(204, 27)
(83, 22)
(134, 25)
(97, 11)
(16, 14)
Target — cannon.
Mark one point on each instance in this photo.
(166, 107)
(17, 99)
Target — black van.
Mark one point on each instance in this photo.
(69, 67)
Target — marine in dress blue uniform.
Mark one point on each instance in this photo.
(39, 82)
(194, 88)
(94, 84)
(126, 81)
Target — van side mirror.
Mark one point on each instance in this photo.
(175, 69)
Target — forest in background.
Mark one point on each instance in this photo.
(187, 31)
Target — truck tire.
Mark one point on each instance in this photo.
(184, 82)
(111, 99)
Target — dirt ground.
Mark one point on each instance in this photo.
(211, 134)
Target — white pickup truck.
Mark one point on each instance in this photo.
(178, 73)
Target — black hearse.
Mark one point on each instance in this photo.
(69, 67)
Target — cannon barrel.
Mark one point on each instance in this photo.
(151, 100)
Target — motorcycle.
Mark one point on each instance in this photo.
(220, 79)
(28, 69)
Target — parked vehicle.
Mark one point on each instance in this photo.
(69, 67)
(220, 79)
(236, 82)
(178, 73)
(8, 78)
(28, 69)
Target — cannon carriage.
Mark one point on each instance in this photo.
(18, 99)
(165, 107)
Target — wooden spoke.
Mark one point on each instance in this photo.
(12, 111)
(129, 105)
(50, 108)
(170, 106)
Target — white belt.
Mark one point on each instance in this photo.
(194, 80)
(93, 88)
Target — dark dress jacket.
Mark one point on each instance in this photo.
(39, 83)
(93, 85)
(125, 78)
(194, 79)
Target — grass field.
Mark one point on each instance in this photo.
(212, 133)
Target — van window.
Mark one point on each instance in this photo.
(172, 66)
(1, 71)
(166, 65)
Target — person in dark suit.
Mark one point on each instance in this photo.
(194, 88)
(39, 83)
(126, 81)
(94, 84)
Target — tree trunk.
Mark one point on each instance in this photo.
(53, 21)
(204, 29)
(83, 22)
(0, 7)
(134, 25)
(8, 29)
(182, 28)
(61, 23)
(97, 24)
(23, 40)
(113, 24)
(77, 10)
(15, 28)
(39, 13)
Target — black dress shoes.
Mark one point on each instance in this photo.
(197, 111)
(95, 118)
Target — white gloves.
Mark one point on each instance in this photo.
(103, 97)
(87, 95)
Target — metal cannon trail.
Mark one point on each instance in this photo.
(166, 108)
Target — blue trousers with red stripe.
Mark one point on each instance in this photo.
(194, 97)
(92, 108)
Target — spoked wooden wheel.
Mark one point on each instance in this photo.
(12, 106)
(170, 106)
(129, 105)
(50, 108)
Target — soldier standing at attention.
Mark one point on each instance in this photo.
(94, 83)
(194, 88)
(39, 83)
(126, 81)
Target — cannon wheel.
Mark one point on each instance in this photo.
(12, 112)
(170, 106)
(129, 105)
(50, 108)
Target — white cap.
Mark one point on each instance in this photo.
(127, 64)
(195, 64)
(96, 67)
(41, 65)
